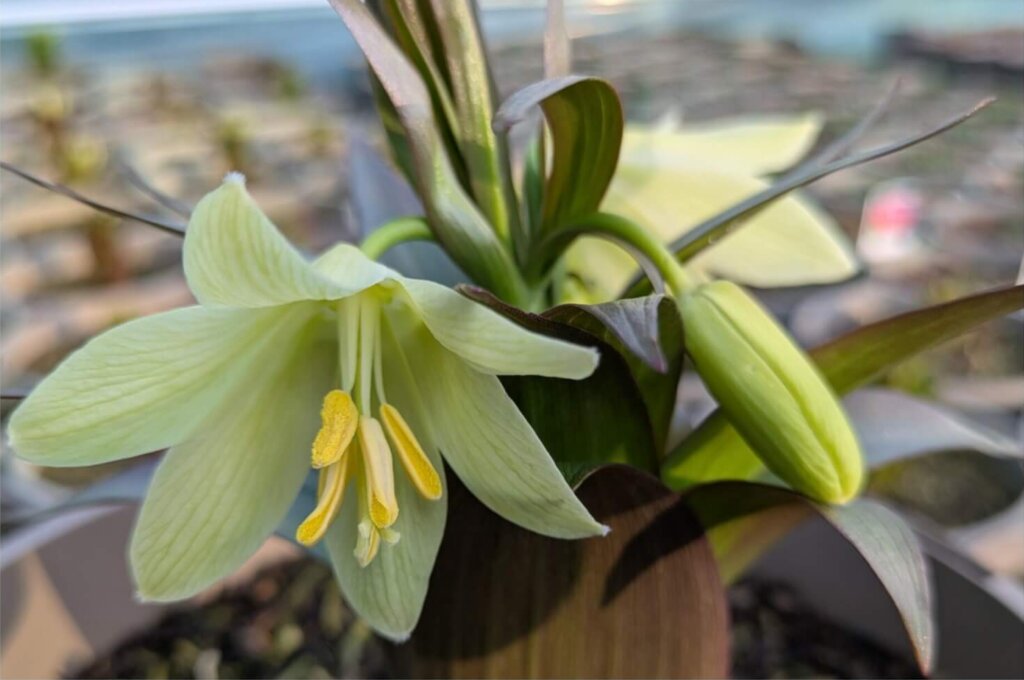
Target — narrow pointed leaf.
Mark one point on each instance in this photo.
(858, 357)
(743, 519)
(892, 426)
(721, 225)
(557, 48)
(892, 551)
(473, 93)
(175, 228)
(457, 223)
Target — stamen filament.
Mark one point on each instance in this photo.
(348, 340)
(378, 371)
(367, 340)
(419, 468)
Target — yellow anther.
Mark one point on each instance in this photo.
(380, 475)
(340, 417)
(331, 491)
(414, 460)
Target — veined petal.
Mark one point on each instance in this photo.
(492, 448)
(492, 343)
(144, 385)
(344, 263)
(790, 243)
(389, 592)
(215, 498)
(751, 146)
(234, 256)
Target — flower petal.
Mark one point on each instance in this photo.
(215, 498)
(234, 256)
(345, 263)
(751, 146)
(790, 243)
(492, 448)
(492, 343)
(389, 592)
(142, 386)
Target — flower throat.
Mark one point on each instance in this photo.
(352, 444)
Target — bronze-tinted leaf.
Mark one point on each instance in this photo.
(645, 601)
(745, 518)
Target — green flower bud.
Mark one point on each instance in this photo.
(771, 392)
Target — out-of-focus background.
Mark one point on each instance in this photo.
(119, 98)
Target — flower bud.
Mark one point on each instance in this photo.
(771, 392)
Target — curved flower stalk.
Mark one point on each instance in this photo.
(396, 368)
(670, 179)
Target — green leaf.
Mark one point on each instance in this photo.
(583, 423)
(585, 118)
(557, 48)
(415, 33)
(860, 356)
(715, 451)
(934, 461)
(456, 221)
(743, 519)
(893, 426)
(473, 93)
(164, 225)
(648, 334)
(644, 601)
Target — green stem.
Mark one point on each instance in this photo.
(393, 233)
(626, 232)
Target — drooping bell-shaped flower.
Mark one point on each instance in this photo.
(339, 365)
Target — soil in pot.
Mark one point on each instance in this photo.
(290, 622)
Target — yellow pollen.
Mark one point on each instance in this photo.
(380, 475)
(414, 460)
(340, 417)
(331, 491)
